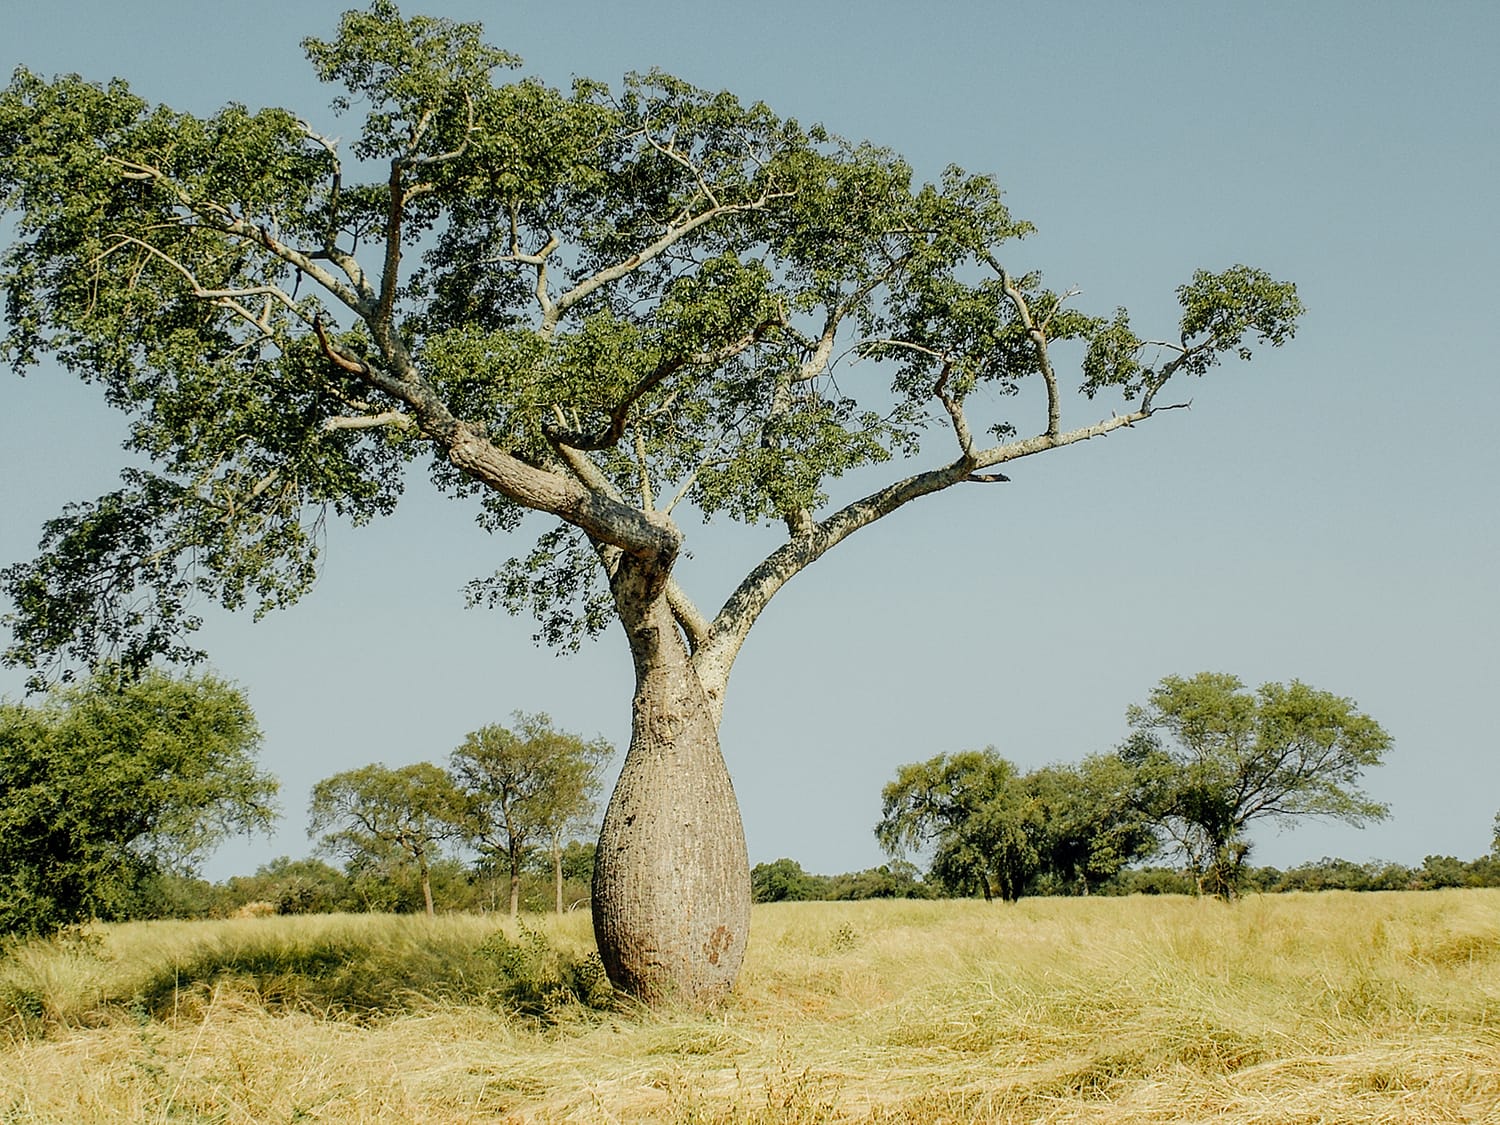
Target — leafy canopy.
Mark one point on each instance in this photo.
(378, 814)
(108, 782)
(595, 303)
(1213, 757)
(994, 829)
(526, 782)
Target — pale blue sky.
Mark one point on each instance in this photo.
(1326, 512)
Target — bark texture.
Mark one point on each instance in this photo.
(672, 876)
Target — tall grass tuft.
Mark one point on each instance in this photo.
(355, 967)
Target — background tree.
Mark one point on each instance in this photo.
(295, 886)
(1091, 824)
(974, 813)
(382, 815)
(599, 306)
(109, 783)
(530, 783)
(783, 880)
(1212, 758)
(575, 863)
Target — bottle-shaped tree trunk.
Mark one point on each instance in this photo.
(671, 880)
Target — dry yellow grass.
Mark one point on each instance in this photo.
(1323, 1008)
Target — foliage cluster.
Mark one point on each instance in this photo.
(109, 785)
(504, 791)
(995, 831)
(1205, 759)
(784, 880)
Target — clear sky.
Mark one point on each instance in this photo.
(1327, 512)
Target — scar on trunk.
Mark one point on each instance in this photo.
(718, 944)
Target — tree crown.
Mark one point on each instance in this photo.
(598, 304)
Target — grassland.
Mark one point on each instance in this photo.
(1293, 1008)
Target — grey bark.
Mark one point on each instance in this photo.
(672, 876)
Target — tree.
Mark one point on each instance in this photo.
(596, 307)
(1213, 758)
(1091, 825)
(783, 880)
(111, 782)
(534, 782)
(974, 812)
(379, 814)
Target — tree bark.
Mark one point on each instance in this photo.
(672, 877)
(426, 884)
(515, 879)
(557, 879)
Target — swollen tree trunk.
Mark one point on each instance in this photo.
(672, 877)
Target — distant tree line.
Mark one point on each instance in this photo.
(113, 789)
(312, 885)
(1204, 760)
(506, 795)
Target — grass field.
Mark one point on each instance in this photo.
(1294, 1008)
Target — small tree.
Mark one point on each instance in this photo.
(111, 782)
(531, 783)
(1091, 824)
(783, 880)
(1212, 758)
(972, 810)
(378, 814)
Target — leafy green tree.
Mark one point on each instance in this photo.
(1213, 757)
(530, 783)
(783, 880)
(897, 879)
(974, 813)
(295, 886)
(108, 783)
(376, 816)
(1091, 825)
(599, 306)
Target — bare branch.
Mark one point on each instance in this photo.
(368, 422)
(226, 297)
(414, 161)
(644, 469)
(222, 219)
(671, 153)
(354, 367)
(674, 234)
(1038, 337)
